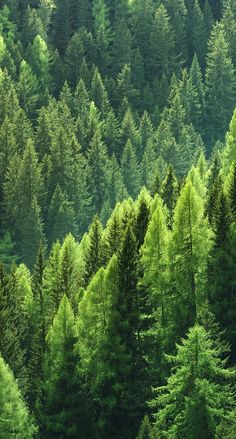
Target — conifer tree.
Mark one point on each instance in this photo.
(74, 57)
(169, 191)
(14, 416)
(229, 153)
(52, 293)
(193, 403)
(145, 429)
(142, 24)
(8, 148)
(129, 131)
(97, 158)
(64, 408)
(220, 94)
(62, 25)
(37, 342)
(125, 87)
(189, 253)
(129, 166)
(94, 257)
(99, 93)
(28, 89)
(61, 217)
(41, 65)
(162, 44)
(112, 133)
(154, 260)
(231, 190)
(121, 50)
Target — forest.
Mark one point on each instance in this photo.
(117, 219)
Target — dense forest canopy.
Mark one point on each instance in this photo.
(117, 219)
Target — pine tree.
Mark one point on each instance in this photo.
(61, 217)
(62, 25)
(142, 24)
(155, 260)
(69, 271)
(131, 308)
(99, 93)
(189, 252)
(52, 293)
(74, 57)
(97, 171)
(125, 87)
(162, 44)
(148, 166)
(145, 429)
(9, 148)
(178, 12)
(103, 352)
(7, 251)
(14, 416)
(94, 257)
(193, 403)
(130, 132)
(28, 89)
(142, 216)
(229, 153)
(37, 342)
(116, 190)
(41, 65)
(121, 49)
(229, 24)
(102, 34)
(23, 192)
(130, 170)
(112, 134)
(231, 190)
(64, 408)
(169, 191)
(220, 94)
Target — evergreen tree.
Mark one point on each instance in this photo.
(14, 416)
(145, 429)
(162, 44)
(231, 190)
(74, 57)
(62, 25)
(219, 94)
(189, 252)
(95, 253)
(99, 93)
(28, 89)
(64, 408)
(61, 217)
(97, 171)
(155, 260)
(129, 167)
(193, 403)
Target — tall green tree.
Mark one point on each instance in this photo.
(220, 93)
(14, 415)
(193, 403)
(64, 408)
(189, 253)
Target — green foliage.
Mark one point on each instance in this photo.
(14, 416)
(189, 253)
(220, 95)
(100, 101)
(193, 403)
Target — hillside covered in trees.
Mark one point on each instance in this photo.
(117, 219)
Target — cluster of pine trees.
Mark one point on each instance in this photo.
(135, 324)
(97, 99)
(117, 219)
